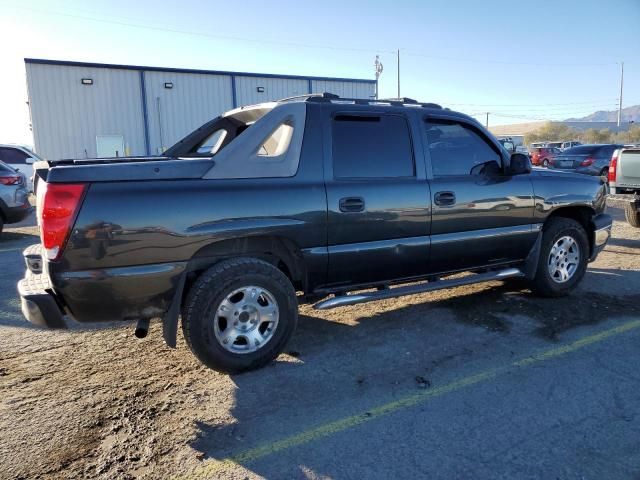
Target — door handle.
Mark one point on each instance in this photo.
(445, 199)
(351, 204)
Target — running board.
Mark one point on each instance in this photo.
(341, 301)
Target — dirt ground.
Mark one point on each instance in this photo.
(99, 403)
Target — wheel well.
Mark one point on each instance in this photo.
(582, 215)
(278, 251)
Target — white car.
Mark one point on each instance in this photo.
(20, 158)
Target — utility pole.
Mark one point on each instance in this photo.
(398, 73)
(620, 102)
(378, 68)
(487, 124)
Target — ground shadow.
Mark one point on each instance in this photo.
(624, 242)
(270, 399)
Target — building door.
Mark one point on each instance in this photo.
(108, 146)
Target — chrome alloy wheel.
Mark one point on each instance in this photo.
(246, 319)
(564, 259)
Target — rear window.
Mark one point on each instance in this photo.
(4, 168)
(581, 150)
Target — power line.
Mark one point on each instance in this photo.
(202, 34)
(133, 24)
(505, 62)
(591, 102)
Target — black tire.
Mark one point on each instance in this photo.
(554, 229)
(209, 291)
(545, 163)
(1, 223)
(631, 213)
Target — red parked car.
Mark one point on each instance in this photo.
(543, 156)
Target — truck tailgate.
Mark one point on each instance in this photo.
(629, 168)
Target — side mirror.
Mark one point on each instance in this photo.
(520, 164)
(29, 160)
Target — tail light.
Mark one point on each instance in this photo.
(613, 167)
(56, 211)
(587, 162)
(11, 180)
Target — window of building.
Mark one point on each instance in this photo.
(371, 147)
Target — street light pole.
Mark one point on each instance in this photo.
(487, 124)
(398, 73)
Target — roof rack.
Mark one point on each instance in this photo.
(332, 98)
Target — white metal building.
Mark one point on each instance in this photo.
(85, 110)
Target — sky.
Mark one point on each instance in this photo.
(520, 61)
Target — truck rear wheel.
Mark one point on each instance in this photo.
(564, 253)
(239, 315)
(632, 215)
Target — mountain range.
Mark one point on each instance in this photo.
(628, 114)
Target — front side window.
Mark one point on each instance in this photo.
(457, 149)
(371, 147)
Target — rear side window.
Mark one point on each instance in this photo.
(456, 149)
(607, 152)
(371, 147)
(12, 155)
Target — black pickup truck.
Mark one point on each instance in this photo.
(318, 198)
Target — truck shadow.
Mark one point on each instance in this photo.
(333, 360)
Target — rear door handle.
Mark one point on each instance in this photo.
(445, 199)
(351, 204)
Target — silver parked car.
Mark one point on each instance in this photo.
(14, 198)
(22, 159)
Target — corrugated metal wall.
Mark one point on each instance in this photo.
(193, 100)
(274, 89)
(67, 115)
(344, 89)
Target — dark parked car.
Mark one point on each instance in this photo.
(543, 156)
(14, 198)
(587, 159)
(343, 199)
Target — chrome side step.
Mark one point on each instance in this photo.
(341, 301)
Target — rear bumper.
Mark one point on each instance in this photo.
(125, 293)
(39, 305)
(601, 233)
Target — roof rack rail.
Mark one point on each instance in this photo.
(394, 102)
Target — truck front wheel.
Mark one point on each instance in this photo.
(239, 315)
(564, 253)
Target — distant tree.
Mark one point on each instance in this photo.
(630, 136)
(596, 136)
(552, 132)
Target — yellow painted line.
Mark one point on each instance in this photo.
(210, 469)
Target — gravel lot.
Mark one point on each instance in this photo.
(449, 384)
